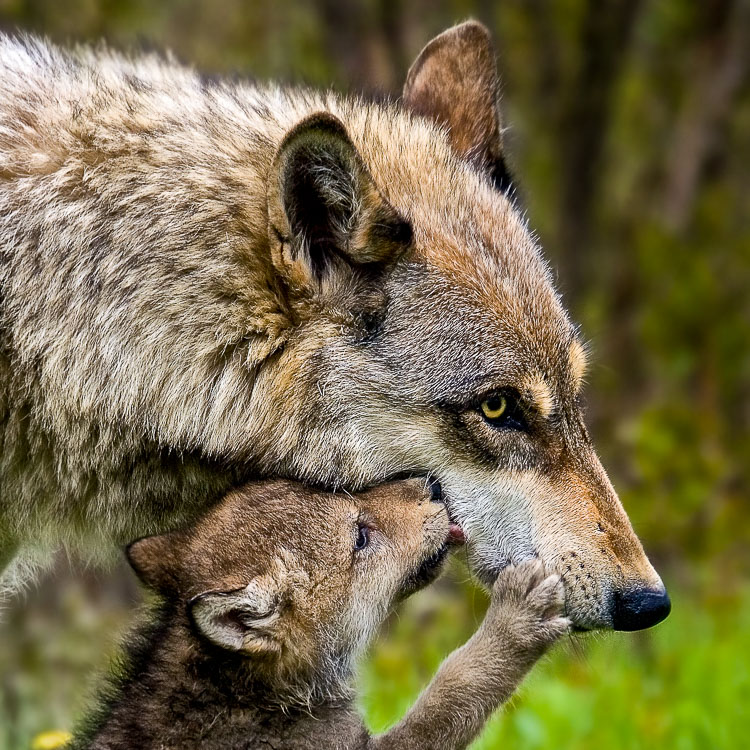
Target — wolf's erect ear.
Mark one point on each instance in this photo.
(155, 560)
(454, 81)
(327, 217)
(245, 619)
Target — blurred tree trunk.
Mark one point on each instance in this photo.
(345, 30)
(390, 25)
(604, 40)
(721, 64)
(548, 56)
(367, 41)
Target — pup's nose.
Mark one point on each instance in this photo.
(436, 491)
(640, 608)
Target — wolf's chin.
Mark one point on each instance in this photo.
(485, 570)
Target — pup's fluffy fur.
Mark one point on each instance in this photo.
(269, 599)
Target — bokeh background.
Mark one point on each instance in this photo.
(629, 125)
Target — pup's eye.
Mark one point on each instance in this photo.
(363, 537)
(503, 410)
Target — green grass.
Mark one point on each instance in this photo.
(684, 685)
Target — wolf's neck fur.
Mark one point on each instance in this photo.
(179, 693)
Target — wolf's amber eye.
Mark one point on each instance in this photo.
(494, 407)
(363, 537)
(503, 410)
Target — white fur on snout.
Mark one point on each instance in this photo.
(495, 514)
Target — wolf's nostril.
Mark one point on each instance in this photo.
(436, 491)
(640, 608)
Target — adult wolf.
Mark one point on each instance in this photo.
(201, 282)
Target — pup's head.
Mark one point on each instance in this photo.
(428, 337)
(297, 581)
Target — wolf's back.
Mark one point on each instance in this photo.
(128, 236)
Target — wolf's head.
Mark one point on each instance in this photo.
(428, 337)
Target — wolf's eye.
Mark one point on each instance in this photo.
(363, 537)
(503, 410)
(494, 407)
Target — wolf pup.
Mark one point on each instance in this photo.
(203, 282)
(269, 599)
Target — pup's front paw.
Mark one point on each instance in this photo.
(527, 607)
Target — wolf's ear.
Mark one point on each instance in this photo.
(454, 81)
(327, 217)
(244, 619)
(155, 560)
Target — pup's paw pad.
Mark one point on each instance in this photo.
(547, 597)
(536, 597)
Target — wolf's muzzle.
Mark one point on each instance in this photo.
(640, 608)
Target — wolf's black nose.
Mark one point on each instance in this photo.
(436, 491)
(640, 608)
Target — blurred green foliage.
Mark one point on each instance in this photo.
(628, 125)
(684, 686)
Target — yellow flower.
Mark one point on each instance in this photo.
(50, 740)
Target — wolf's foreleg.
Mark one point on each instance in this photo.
(523, 620)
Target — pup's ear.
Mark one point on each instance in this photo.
(244, 619)
(454, 81)
(327, 218)
(155, 560)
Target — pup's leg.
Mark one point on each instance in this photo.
(523, 620)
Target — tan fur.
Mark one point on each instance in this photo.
(267, 602)
(539, 394)
(200, 283)
(578, 363)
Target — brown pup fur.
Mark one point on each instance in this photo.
(269, 599)
(205, 282)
